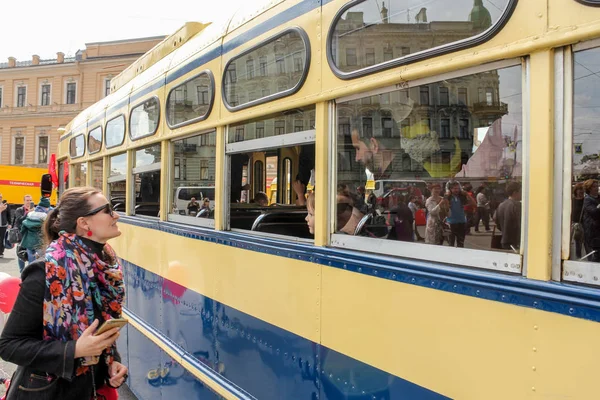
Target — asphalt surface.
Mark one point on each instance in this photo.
(9, 265)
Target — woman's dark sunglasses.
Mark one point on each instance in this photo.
(107, 208)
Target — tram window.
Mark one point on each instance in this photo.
(395, 30)
(585, 242)
(77, 146)
(63, 184)
(191, 101)
(146, 178)
(288, 48)
(416, 184)
(97, 172)
(117, 181)
(115, 132)
(79, 174)
(279, 124)
(95, 140)
(194, 186)
(279, 208)
(144, 119)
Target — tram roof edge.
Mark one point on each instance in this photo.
(161, 50)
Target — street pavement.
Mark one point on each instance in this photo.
(9, 265)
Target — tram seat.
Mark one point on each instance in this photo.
(373, 226)
(119, 207)
(243, 218)
(288, 222)
(148, 209)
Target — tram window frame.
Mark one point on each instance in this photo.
(143, 169)
(487, 260)
(122, 136)
(563, 267)
(74, 140)
(141, 104)
(414, 57)
(98, 128)
(211, 100)
(265, 144)
(172, 190)
(280, 94)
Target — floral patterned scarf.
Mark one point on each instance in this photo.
(77, 283)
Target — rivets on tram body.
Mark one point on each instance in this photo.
(535, 349)
(533, 368)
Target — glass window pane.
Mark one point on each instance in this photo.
(115, 131)
(118, 165)
(77, 146)
(43, 150)
(446, 172)
(190, 101)
(97, 169)
(398, 28)
(194, 159)
(277, 124)
(144, 119)
(273, 73)
(585, 244)
(79, 174)
(95, 140)
(147, 156)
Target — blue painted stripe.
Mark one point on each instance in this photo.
(199, 61)
(116, 107)
(240, 351)
(147, 89)
(565, 299)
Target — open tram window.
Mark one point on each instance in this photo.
(396, 32)
(146, 179)
(406, 181)
(117, 178)
(194, 163)
(271, 176)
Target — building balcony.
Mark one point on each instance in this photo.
(7, 111)
(487, 108)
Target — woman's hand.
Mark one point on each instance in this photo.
(89, 345)
(117, 373)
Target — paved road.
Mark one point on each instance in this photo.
(9, 265)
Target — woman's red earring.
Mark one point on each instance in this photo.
(89, 233)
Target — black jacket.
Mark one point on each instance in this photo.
(5, 217)
(45, 367)
(591, 223)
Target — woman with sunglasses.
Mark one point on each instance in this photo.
(63, 299)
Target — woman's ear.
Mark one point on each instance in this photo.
(374, 145)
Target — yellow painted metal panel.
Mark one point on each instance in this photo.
(322, 175)
(282, 292)
(459, 346)
(541, 164)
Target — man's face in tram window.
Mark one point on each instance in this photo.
(364, 153)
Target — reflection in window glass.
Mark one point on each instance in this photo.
(436, 176)
(397, 28)
(95, 140)
(97, 169)
(190, 101)
(585, 243)
(278, 124)
(147, 181)
(279, 208)
(116, 185)
(144, 119)
(283, 61)
(79, 174)
(77, 146)
(115, 131)
(194, 159)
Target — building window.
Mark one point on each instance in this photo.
(404, 51)
(106, 87)
(1, 95)
(19, 150)
(462, 96)
(351, 60)
(445, 128)
(250, 69)
(21, 95)
(367, 125)
(263, 66)
(444, 96)
(45, 99)
(260, 129)
(204, 169)
(344, 126)
(239, 134)
(370, 56)
(463, 128)
(386, 126)
(71, 90)
(489, 96)
(298, 125)
(424, 90)
(280, 62)
(232, 73)
(298, 64)
(279, 127)
(177, 168)
(388, 53)
(42, 150)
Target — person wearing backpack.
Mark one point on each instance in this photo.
(31, 229)
(18, 218)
